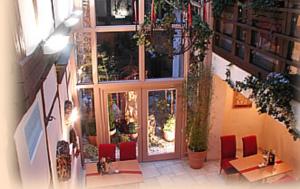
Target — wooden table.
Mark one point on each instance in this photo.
(248, 167)
(129, 172)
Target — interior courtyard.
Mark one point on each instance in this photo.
(146, 94)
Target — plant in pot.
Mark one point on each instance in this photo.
(198, 92)
(169, 129)
(91, 133)
(132, 130)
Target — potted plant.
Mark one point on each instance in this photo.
(91, 133)
(198, 90)
(169, 129)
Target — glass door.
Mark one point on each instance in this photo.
(123, 120)
(161, 133)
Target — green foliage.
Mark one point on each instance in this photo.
(198, 89)
(132, 127)
(90, 128)
(170, 124)
(264, 4)
(219, 5)
(272, 96)
(111, 116)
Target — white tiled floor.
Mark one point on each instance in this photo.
(173, 174)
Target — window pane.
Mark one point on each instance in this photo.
(241, 33)
(116, 12)
(88, 124)
(224, 43)
(265, 41)
(263, 61)
(84, 57)
(159, 62)
(117, 55)
(295, 25)
(123, 117)
(161, 121)
(240, 51)
(294, 51)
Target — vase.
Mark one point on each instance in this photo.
(196, 159)
(169, 136)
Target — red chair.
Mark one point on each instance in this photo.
(249, 145)
(228, 152)
(127, 151)
(107, 151)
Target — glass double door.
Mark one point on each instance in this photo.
(149, 117)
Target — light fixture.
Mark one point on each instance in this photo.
(77, 12)
(71, 113)
(74, 115)
(72, 21)
(55, 43)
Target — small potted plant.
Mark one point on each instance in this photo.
(169, 129)
(91, 133)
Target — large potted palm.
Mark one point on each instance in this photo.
(198, 91)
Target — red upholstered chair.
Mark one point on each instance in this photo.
(228, 152)
(127, 151)
(107, 151)
(249, 145)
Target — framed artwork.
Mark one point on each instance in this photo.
(240, 101)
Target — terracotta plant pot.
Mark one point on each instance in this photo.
(92, 140)
(169, 136)
(196, 159)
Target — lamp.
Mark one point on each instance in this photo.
(77, 12)
(55, 43)
(72, 21)
(71, 114)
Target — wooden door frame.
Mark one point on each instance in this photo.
(179, 125)
(104, 114)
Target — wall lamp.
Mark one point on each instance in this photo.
(71, 113)
(55, 43)
(73, 19)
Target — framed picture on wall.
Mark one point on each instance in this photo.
(240, 101)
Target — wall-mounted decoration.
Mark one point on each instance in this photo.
(240, 101)
(63, 161)
(75, 142)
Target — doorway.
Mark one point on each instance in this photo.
(149, 117)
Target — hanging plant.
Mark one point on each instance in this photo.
(264, 4)
(218, 6)
(272, 96)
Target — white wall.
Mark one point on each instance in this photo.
(54, 135)
(271, 133)
(34, 172)
(63, 96)
(50, 88)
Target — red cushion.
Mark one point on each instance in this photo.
(127, 151)
(228, 147)
(249, 145)
(107, 151)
